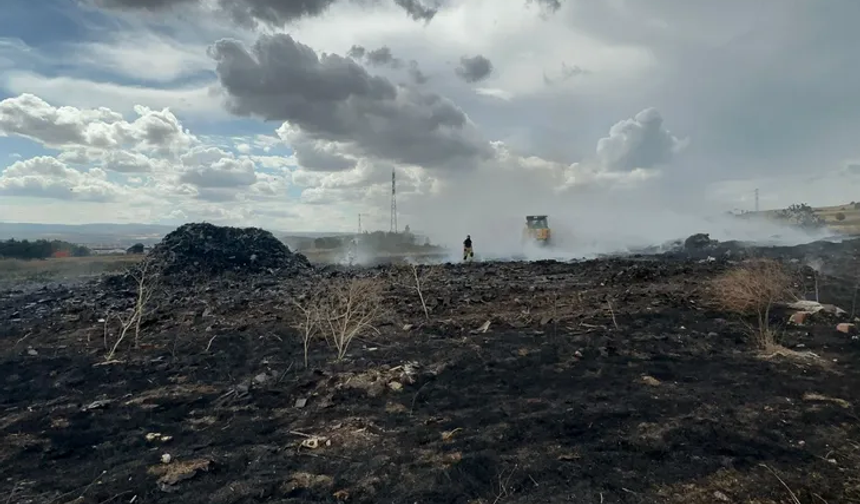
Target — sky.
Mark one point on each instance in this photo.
(614, 117)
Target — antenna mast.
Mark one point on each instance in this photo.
(393, 203)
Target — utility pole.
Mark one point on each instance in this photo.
(756, 200)
(393, 203)
(359, 223)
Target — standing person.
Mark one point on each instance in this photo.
(467, 248)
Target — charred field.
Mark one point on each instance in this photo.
(616, 380)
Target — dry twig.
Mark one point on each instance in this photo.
(309, 323)
(612, 312)
(420, 292)
(794, 498)
(145, 279)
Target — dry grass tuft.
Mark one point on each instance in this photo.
(751, 290)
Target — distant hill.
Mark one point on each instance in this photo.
(843, 219)
(86, 233)
(120, 235)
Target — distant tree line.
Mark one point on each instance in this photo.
(40, 249)
(802, 216)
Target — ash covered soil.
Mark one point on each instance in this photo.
(605, 381)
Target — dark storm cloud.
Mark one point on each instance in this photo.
(333, 98)
(377, 57)
(357, 52)
(384, 57)
(474, 69)
(270, 12)
(417, 10)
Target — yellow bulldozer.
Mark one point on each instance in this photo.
(537, 230)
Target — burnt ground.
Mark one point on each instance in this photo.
(607, 381)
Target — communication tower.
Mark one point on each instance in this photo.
(393, 203)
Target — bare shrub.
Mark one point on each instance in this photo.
(146, 280)
(751, 290)
(341, 310)
(840, 216)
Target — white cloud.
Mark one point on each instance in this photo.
(225, 173)
(47, 177)
(99, 128)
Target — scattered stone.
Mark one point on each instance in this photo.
(846, 328)
(301, 402)
(483, 329)
(32, 351)
(651, 381)
(799, 318)
(96, 405)
(395, 386)
(393, 407)
(303, 480)
(720, 496)
(170, 474)
(815, 307)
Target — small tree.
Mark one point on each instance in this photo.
(840, 216)
(751, 290)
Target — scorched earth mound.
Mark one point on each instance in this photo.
(206, 249)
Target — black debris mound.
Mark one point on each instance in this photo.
(699, 241)
(202, 249)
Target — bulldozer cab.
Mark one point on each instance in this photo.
(537, 229)
(537, 222)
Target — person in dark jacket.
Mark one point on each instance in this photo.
(467, 248)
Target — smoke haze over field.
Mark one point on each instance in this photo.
(584, 226)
